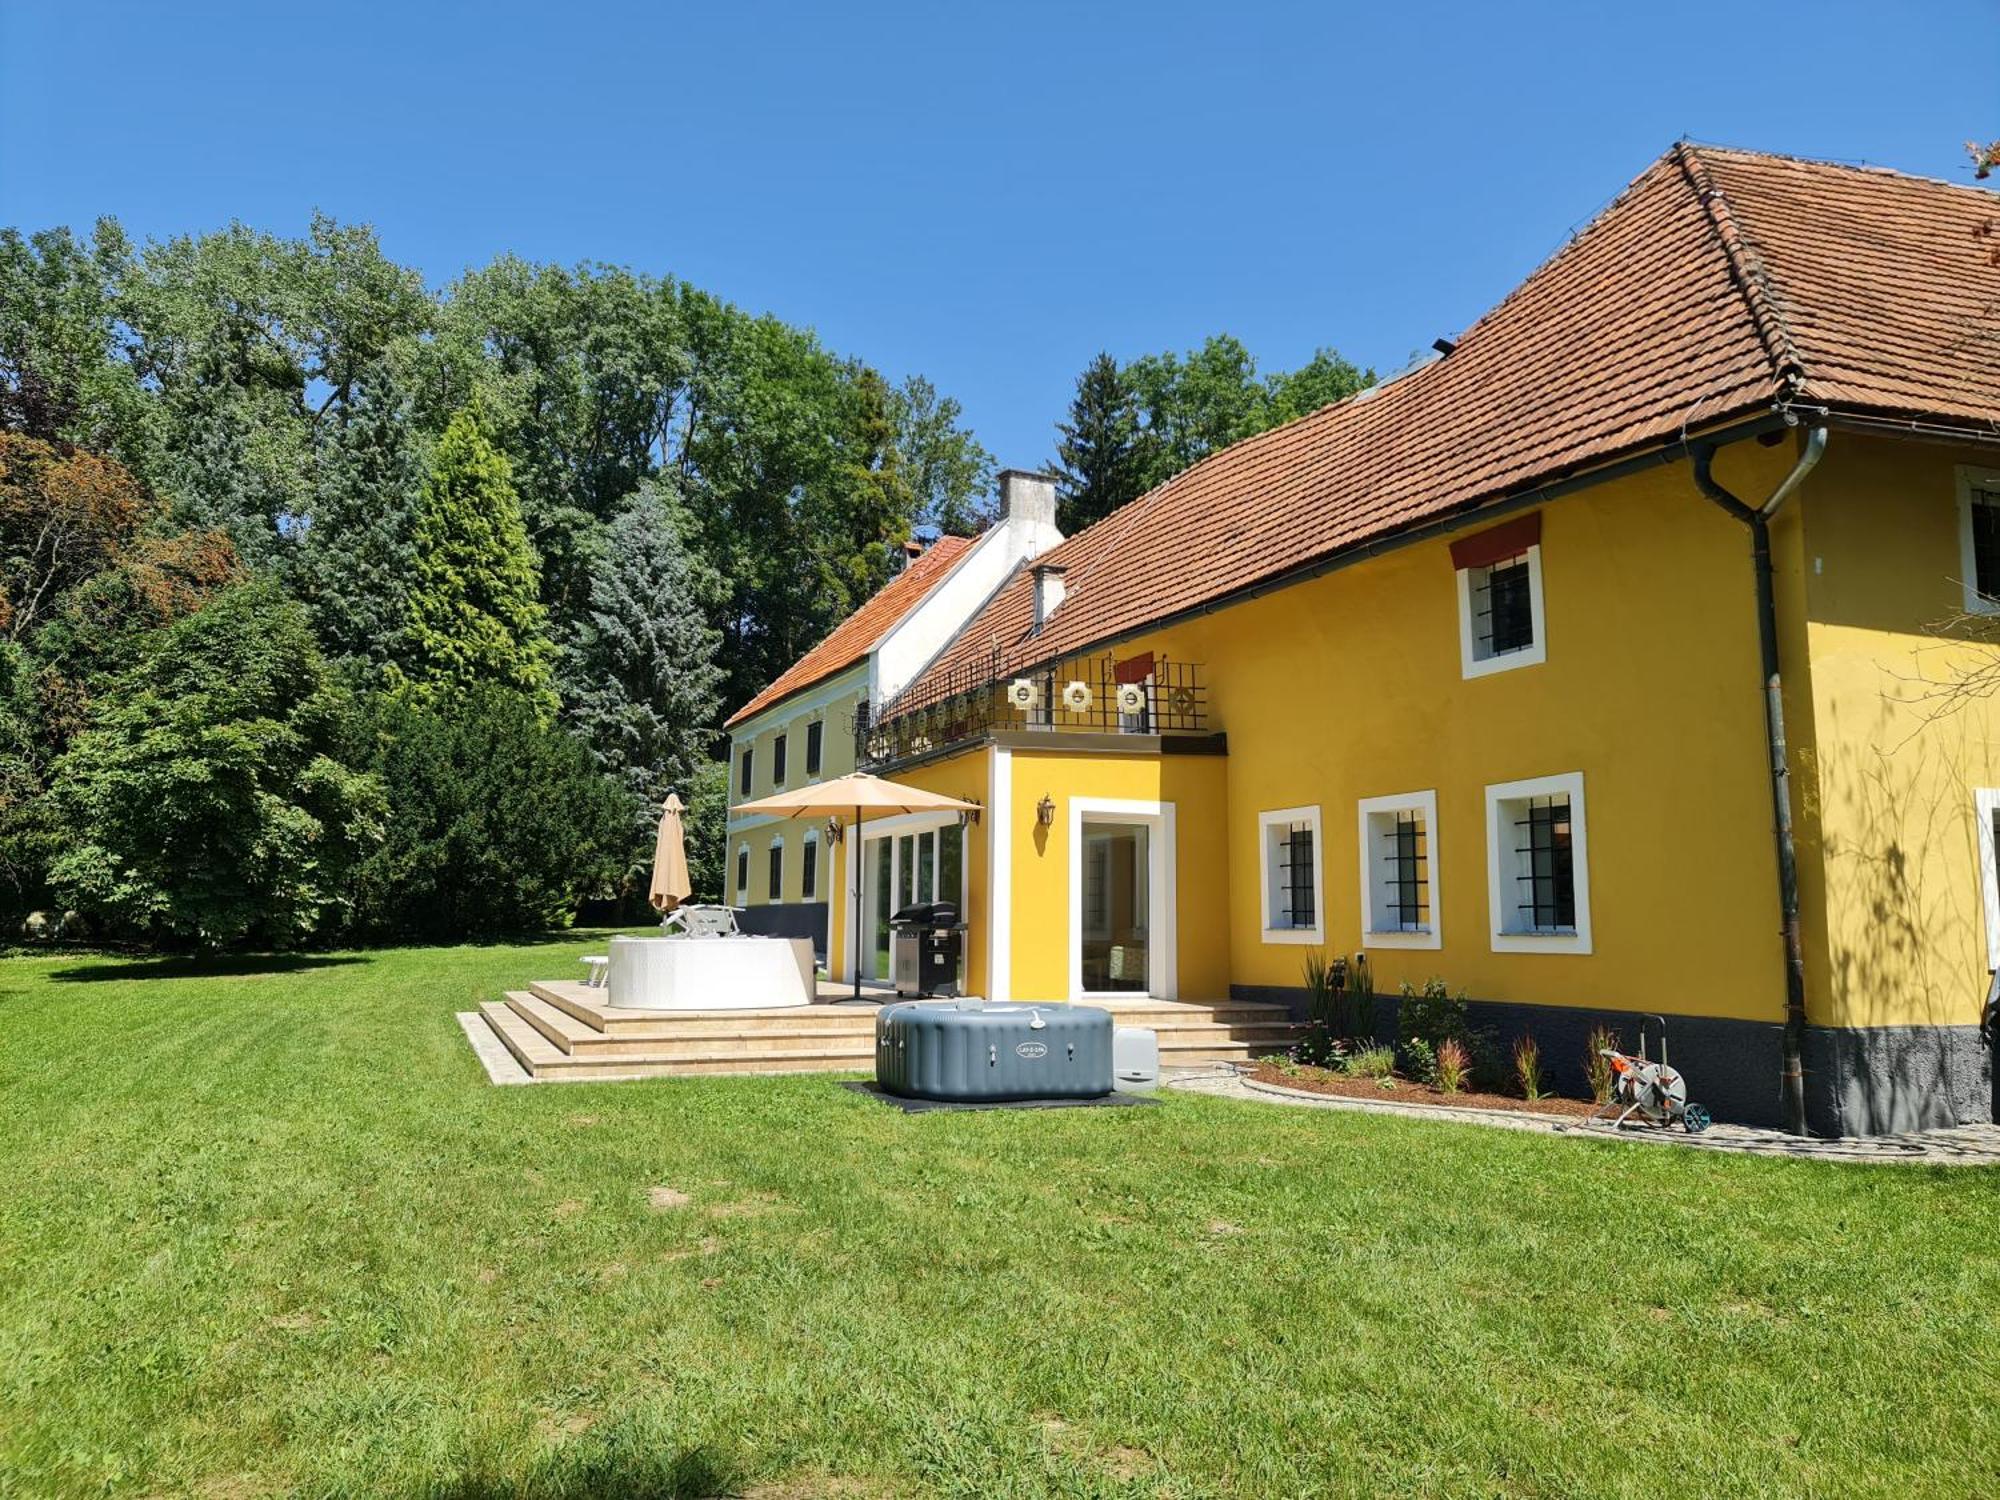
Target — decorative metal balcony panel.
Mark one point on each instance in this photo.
(1145, 694)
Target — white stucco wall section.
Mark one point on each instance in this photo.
(914, 641)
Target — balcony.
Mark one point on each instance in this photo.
(1140, 696)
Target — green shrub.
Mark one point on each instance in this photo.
(216, 799)
(1433, 1013)
(1453, 1065)
(497, 821)
(1596, 1066)
(1419, 1060)
(1528, 1068)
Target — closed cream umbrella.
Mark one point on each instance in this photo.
(671, 885)
(859, 794)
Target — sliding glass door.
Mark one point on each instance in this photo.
(905, 869)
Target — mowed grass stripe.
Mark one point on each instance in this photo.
(265, 1229)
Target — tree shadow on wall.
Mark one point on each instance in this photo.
(1896, 820)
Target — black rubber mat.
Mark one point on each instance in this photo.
(926, 1106)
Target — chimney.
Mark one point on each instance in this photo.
(1027, 497)
(1049, 590)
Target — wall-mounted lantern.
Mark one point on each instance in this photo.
(834, 832)
(1045, 810)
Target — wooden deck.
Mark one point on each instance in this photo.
(561, 1031)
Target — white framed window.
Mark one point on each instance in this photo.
(1986, 809)
(1399, 871)
(1500, 623)
(809, 867)
(776, 885)
(1538, 865)
(1290, 891)
(778, 761)
(1979, 538)
(742, 874)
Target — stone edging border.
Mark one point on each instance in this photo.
(1942, 1149)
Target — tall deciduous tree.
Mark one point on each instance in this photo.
(474, 612)
(949, 473)
(212, 801)
(64, 515)
(1133, 428)
(1320, 381)
(641, 683)
(61, 375)
(1098, 458)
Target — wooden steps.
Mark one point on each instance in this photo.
(560, 1031)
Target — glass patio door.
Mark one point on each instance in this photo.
(905, 869)
(1115, 934)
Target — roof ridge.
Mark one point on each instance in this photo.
(1861, 166)
(1746, 267)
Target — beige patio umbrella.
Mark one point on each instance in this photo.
(671, 885)
(860, 794)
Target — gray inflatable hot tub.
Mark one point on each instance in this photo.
(964, 1050)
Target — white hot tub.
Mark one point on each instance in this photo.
(709, 973)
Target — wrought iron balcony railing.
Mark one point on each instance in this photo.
(1139, 695)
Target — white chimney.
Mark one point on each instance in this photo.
(1049, 590)
(1028, 498)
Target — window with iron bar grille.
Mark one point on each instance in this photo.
(1549, 875)
(1408, 879)
(1295, 873)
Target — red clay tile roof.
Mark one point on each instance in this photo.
(857, 635)
(1719, 283)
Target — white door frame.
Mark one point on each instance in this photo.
(1162, 936)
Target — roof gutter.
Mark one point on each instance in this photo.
(1758, 519)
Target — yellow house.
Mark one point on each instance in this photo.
(1622, 661)
(802, 728)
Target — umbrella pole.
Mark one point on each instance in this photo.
(859, 848)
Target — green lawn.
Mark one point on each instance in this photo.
(265, 1228)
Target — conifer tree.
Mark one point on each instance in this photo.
(474, 614)
(641, 685)
(350, 561)
(1098, 456)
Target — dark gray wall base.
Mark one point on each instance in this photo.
(1872, 1081)
(806, 919)
(1878, 1080)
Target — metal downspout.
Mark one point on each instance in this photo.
(1758, 519)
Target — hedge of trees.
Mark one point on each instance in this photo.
(334, 608)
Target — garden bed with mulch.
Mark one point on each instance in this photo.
(1325, 1081)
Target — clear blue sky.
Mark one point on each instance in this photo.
(987, 194)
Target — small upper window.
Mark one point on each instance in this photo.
(1291, 885)
(1538, 866)
(814, 733)
(1500, 597)
(1979, 539)
(743, 772)
(778, 761)
(1399, 898)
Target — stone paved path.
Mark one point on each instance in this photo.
(1965, 1145)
